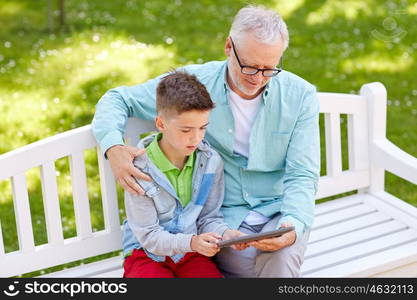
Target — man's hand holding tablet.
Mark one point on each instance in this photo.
(255, 237)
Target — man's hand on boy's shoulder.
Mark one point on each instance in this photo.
(233, 233)
(121, 162)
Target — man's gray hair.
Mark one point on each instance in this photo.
(265, 24)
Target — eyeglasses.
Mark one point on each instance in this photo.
(248, 70)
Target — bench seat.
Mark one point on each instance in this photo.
(362, 235)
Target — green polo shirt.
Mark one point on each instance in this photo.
(181, 180)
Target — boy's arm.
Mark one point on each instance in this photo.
(143, 220)
(211, 219)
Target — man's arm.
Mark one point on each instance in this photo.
(119, 104)
(302, 169)
(301, 176)
(112, 112)
(110, 118)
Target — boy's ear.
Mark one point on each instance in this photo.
(159, 123)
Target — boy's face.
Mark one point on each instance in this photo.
(183, 132)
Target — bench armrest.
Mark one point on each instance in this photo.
(388, 156)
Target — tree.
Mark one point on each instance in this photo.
(61, 11)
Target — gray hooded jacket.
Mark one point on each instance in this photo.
(158, 223)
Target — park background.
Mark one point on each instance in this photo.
(54, 67)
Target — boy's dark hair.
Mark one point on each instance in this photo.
(181, 92)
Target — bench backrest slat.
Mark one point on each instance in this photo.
(108, 194)
(22, 212)
(333, 144)
(358, 142)
(51, 203)
(80, 195)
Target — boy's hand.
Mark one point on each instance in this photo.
(206, 243)
(233, 233)
(121, 162)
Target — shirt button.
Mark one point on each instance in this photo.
(247, 194)
(230, 130)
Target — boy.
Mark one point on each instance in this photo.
(174, 228)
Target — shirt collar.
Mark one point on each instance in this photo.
(164, 163)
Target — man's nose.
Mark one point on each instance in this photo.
(258, 77)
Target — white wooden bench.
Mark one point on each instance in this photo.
(370, 233)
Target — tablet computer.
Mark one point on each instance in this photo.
(256, 236)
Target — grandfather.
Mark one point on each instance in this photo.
(265, 127)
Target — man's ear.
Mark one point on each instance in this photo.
(228, 47)
(159, 123)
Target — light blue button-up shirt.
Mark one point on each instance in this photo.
(282, 171)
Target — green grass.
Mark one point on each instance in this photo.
(51, 81)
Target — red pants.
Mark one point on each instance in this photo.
(192, 265)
